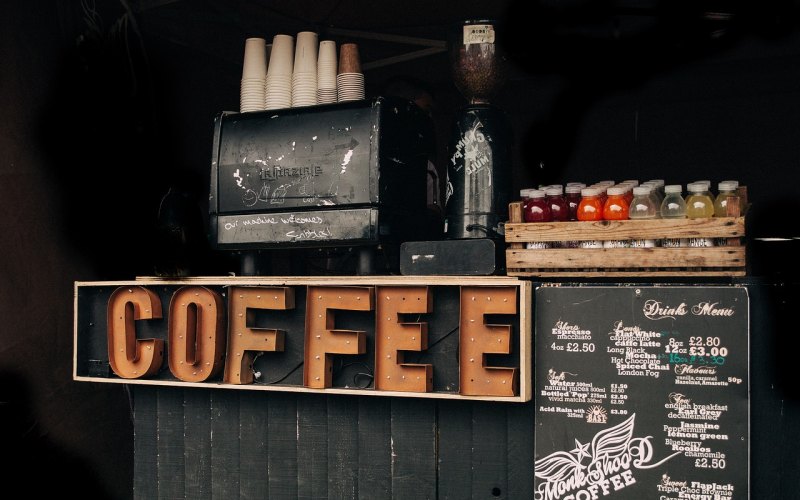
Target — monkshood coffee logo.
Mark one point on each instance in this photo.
(655, 309)
(596, 469)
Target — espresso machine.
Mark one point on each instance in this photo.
(317, 180)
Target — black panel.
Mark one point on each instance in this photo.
(253, 449)
(374, 448)
(455, 450)
(225, 444)
(282, 445)
(145, 444)
(342, 447)
(197, 442)
(312, 446)
(489, 451)
(414, 448)
(171, 456)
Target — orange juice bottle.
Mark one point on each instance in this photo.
(616, 206)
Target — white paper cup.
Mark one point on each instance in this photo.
(281, 60)
(255, 58)
(305, 51)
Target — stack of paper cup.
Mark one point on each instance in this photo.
(326, 72)
(304, 76)
(278, 87)
(254, 71)
(350, 79)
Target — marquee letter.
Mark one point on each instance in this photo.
(476, 339)
(393, 337)
(196, 334)
(244, 340)
(129, 357)
(322, 340)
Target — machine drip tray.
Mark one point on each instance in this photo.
(465, 257)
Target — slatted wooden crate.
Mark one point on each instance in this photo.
(728, 260)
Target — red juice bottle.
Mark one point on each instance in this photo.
(559, 210)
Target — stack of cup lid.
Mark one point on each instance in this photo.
(350, 79)
(304, 76)
(326, 72)
(278, 84)
(254, 71)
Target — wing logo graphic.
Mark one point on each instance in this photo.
(598, 468)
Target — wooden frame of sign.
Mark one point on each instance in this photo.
(429, 336)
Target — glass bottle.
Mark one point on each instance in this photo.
(655, 195)
(590, 209)
(727, 198)
(536, 209)
(698, 202)
(615, 207)
(642, 208)
(559, 209)
(727, 193)
(699, 205)
(673, 206)
(573, 197)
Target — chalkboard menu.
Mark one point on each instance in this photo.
(641, 392)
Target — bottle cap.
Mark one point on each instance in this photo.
(615, 191)
(673, 188)
(554, 191)
(589, 191)
(641, 190)
(573, 189)
(697, 187)
(734, 183)
(536, 193)
(728, 186)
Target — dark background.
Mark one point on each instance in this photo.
(108, 107)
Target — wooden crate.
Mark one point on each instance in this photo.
(726, 260)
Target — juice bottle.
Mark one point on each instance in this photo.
(727, 192)
(590, 209)
(673, 206)
(615, 207)
(573, 197)
(698, 202)
(536, 209)
(559, 209)
(727, 198)
(642, 207)
(699, 205)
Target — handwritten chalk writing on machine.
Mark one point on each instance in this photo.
(350, 174)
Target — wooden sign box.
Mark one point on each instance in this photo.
(428, 337)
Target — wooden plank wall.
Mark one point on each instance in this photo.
(204, 443)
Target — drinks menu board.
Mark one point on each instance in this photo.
(641, 392)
